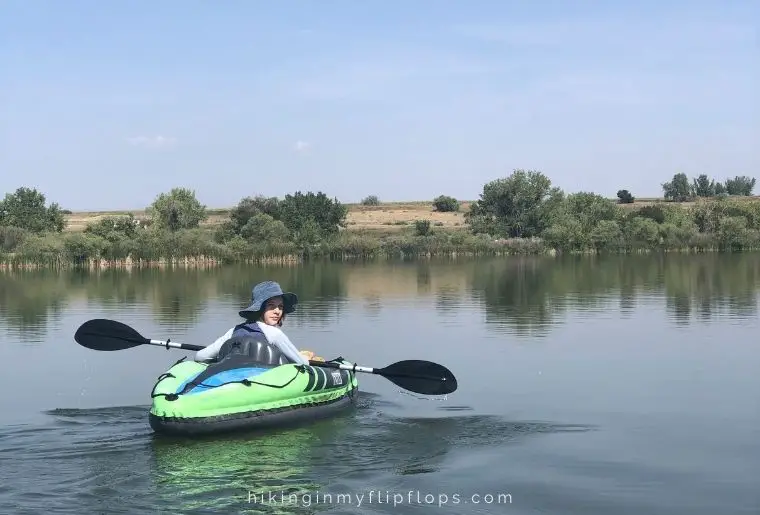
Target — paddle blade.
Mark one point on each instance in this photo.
(419, 376)
(108, 335)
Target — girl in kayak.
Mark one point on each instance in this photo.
(269, 305)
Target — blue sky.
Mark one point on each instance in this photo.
(107, 103)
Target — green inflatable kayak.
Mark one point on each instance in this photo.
(251, 384)
(248, 390)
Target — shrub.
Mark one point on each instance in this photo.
(11, 237)
(445, 204)
(82, 247)
(263, 228)
(625, 197)
(371, 200)
(641, 232)
(421, 227)
(251, 206)
(607, 235)
(113, 227)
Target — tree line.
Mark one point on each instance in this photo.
(522, 206)
(526, 205)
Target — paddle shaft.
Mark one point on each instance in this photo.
(174, 345)
(370, 370)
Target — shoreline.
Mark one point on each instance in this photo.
(420, 248)
(388, 231)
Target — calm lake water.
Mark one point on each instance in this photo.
(623, 385)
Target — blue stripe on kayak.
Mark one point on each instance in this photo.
(226, 376)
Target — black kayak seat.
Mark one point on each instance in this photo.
(252, 348)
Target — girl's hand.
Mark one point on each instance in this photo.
(310, 355)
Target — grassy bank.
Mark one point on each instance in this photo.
(198, 247)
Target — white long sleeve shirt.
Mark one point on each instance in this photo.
(274, 335)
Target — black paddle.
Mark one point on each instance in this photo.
(419, 376)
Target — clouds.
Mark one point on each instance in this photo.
(153, 142)
(301, 146)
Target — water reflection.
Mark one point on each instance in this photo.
(29, 300)
(232, 472)
(524, 294)
(531, 294)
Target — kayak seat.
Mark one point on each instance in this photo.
(239, 357)
(252, 348)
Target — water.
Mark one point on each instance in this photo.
(586, 386)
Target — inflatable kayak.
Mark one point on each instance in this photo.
(249, 389)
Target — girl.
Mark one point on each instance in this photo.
(269, 305)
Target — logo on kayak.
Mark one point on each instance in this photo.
(337, 379)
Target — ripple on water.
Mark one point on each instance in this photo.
(108, 460)
(81, 457)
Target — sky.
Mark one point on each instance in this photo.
(106, 104)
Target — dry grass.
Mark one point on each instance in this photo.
(648, 201)
(395, 216)
(387, 217)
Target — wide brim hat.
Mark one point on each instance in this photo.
(265, 291)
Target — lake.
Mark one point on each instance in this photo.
(587, 385)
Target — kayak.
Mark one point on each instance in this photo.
(242, 393)
(251, 384)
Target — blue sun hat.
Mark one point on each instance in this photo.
(265, 291)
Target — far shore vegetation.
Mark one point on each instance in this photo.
(518, 214)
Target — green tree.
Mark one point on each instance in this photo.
(740, 185)
(703, 187)
(25, 208)
(521, 205)
(678, 189)
(178, 209)
(297, 210)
